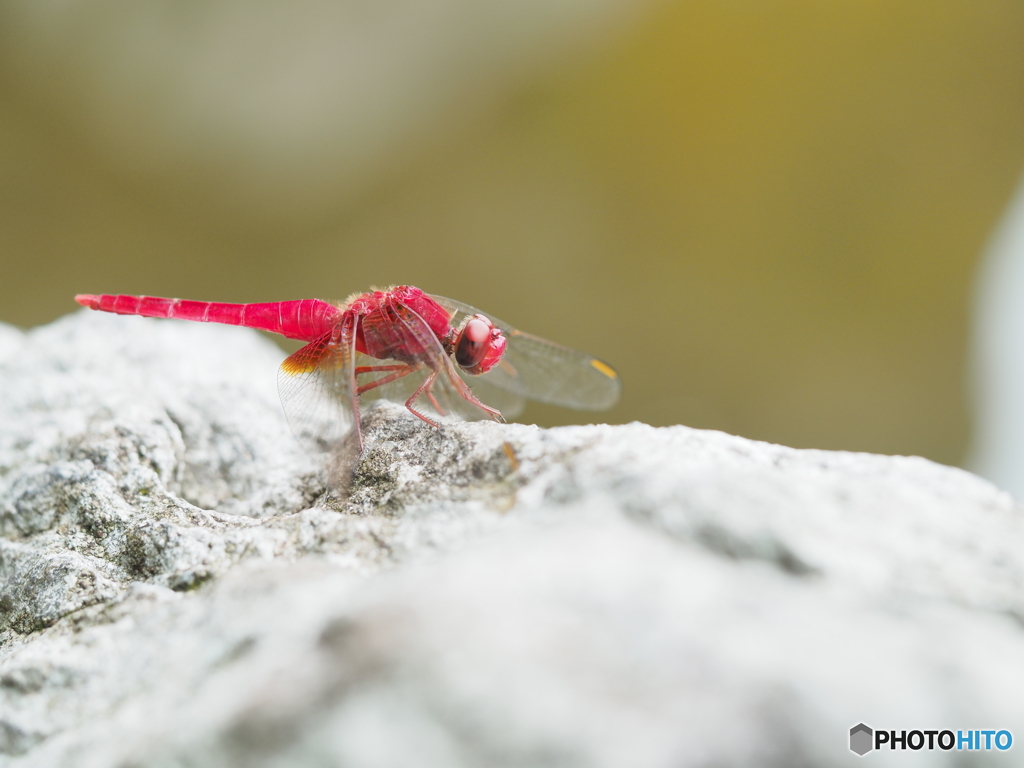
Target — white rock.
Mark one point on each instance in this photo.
(11, 340)
(177, 589)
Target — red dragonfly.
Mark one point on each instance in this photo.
(398, 344)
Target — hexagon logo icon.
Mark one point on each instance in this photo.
(861, 739)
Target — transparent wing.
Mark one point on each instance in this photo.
(508, 402)
(541, 370)
(424, 372)
(452, 403)
(317, 391)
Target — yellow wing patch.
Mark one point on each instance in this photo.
(309, 358)
(604, 368)
(295, 365)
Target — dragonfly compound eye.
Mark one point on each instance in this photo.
(479, 345)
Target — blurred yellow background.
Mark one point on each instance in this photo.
(766, 215)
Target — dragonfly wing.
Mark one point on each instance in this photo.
(510, 403)
(318, 394)
(542, 370)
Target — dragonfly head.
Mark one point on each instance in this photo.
(479, 345)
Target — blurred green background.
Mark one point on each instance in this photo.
(766, 215)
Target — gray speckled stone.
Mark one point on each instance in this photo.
(176, 589)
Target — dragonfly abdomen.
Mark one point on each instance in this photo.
(306, 319)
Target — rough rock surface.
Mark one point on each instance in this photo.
(176, 589)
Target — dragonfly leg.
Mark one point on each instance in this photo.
(427, 383)
(467, 394)
(401, 371)
(429, 392)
